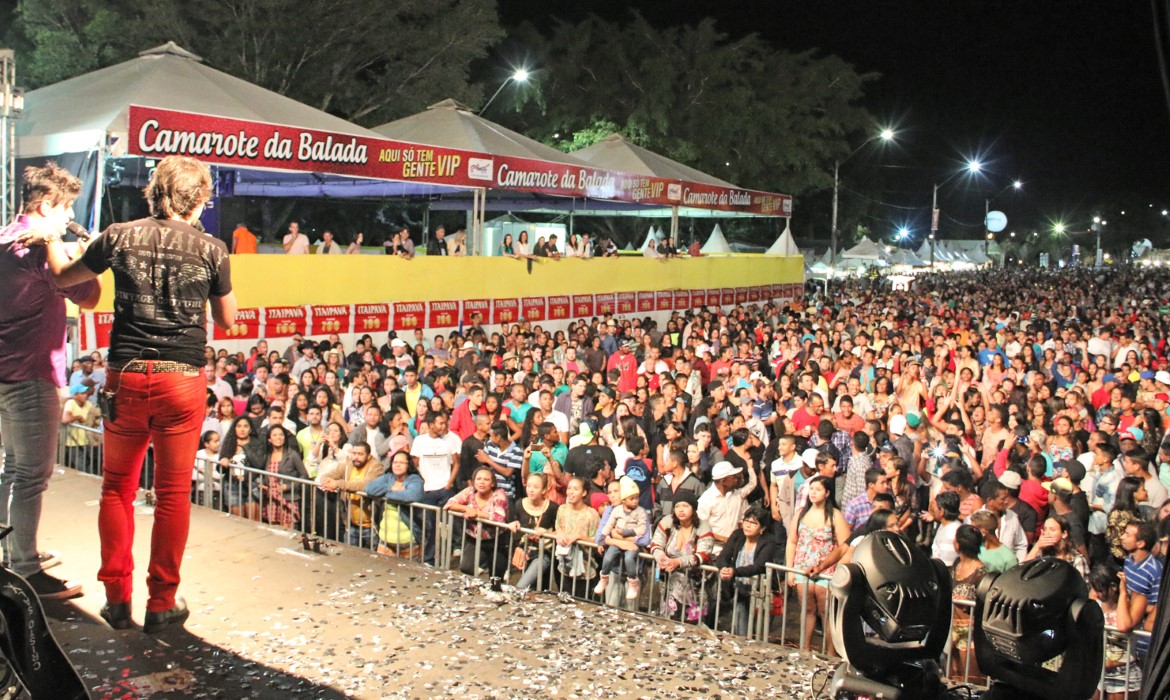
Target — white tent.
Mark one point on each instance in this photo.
(866, 250)
(906, 257)
(84, 120)
(629, 246)
(827, 258)
(716, 244)
(784, 245)
(651, 237)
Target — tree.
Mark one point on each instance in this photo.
(736, 109)
(365, 60)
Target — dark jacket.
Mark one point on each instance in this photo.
(437, 247)
(766, 553)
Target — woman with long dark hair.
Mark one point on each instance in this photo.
(279, 497)
(1131, 491)
(814, 546)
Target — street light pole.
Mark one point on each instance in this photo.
(833, 228)
(933, 222)
(520, 76)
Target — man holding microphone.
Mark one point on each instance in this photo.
(166, 271)
(32, 365)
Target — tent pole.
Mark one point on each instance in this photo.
(570, 224)
(96, 221)
(674, 226)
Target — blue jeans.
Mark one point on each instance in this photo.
(438, 497)
(30, 413)
(363, 537)
(616, 558)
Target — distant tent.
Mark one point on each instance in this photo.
(784, 245)
(629, 246)
(924, 250)
(865, 250)
(716, 244)
(827, 258)
(906, 257)
(651, 237)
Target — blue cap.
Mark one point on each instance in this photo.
(79, 388)
(1147, 375)
(1108, 378)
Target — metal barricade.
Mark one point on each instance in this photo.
(776, 584)
(80, 448)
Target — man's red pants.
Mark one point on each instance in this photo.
(166, 410)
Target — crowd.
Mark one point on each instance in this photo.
(401, 244)
(992, 416)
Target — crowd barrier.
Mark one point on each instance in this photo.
(761, 610)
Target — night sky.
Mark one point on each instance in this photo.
(1067, 96)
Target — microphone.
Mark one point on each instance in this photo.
(78, 230)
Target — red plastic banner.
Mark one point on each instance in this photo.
(682, 300)
(559, 307)
(532, 309)
(605, 303)
(665, 301)
(627, 302)
(753, 294)
(283, 321)
(371, 318)
(727, 297)
(409, 315)
(443, 314)
(103, 321)
(331, 318)
(483, 307)
(645, 302)
(741, 295)
(247, 326)
(583, 305)
(505, 310)
(155, 133)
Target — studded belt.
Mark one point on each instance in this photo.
(155, 367)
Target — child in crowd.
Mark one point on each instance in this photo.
(207, 458)
(627, 525)
(638, 469)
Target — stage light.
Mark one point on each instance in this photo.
(892, 587)
(1033, 613)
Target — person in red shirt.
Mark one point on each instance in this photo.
(723, 364)
(802, 419)
(1032, 489)
(625, 362)
(847, 420)
(463, 417)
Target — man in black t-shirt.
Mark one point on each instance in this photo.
(166, 271)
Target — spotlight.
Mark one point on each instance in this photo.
(1033, 613)
(892, 587)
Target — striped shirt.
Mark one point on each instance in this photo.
(512, 457)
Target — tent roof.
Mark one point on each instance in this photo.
(865, 250)
(784, 245)
(453, 125)
(75, 115)
(716, 243)
(614, 152)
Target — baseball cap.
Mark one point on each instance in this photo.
(79, 388)
(1074, 470)
(724, 469)
(809, 457)
(1062, 484)
(1165, 398)
(1010, 479)
(398, 343)
(1108, 378)
(898, 424)
(1162, 377)
(913, 420)
(1147, 375)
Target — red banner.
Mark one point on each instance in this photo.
(682, 300)
(532, 309)
(627, 302)
(559, 307)
(726, 297)
(330, 319)
(283, 321)
(606, 304)
(753, 294)
(645, 302)
(505, 310)
(665, 301)
(473, 306)
(371, 318)
(103, 321)
(442, 314)
(155, 133)
(409, 315)
(741, 295)
(247, 325)
(583, 305)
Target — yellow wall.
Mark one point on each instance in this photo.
(294, 280)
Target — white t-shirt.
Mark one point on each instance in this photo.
(944, 543)
(435, 456)
(560, 420)
(300, 244)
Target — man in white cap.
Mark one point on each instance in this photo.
(722, 505)
(398, 357)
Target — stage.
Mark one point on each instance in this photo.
(269, 620)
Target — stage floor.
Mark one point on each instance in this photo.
(271, 621)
